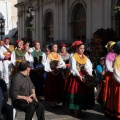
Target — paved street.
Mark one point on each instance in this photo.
(60, 113)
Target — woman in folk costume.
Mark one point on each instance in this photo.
(77, 95)
(36, 74)
(17, 56)
(113, 108)
(54, 84)
(105, 85)
(28, 55)
(65, 56)
(47, 50)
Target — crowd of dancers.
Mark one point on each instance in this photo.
(66, 78)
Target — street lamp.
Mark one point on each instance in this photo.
(31, 11)
(2, 24)
(29, 24)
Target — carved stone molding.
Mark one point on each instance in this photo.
(37, 6)
(46, 2)
(20, 13)
(59, 1)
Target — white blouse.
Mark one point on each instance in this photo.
(73, 68)
(61, 64)
(109, 65)
(116, 74)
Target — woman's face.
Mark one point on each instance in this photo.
(1, 43)
(27, 48)
(47, 51)
(81, 49)
(63, 49)
(102, 61)
(54, 48)
(37, 46)
(20, 44)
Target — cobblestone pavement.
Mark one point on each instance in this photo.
(60, 113)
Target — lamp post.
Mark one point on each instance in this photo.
(2, 24)
(30, 14)
(31, 11)
(29, 24)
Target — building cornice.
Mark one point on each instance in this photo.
(23, 3)
(58, 1)
(47, 2)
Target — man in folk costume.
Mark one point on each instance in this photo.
(17, 56)
(7, 65)
(1, 59)
(36, 75)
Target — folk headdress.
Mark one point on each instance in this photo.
(110, 45)
(76, 43)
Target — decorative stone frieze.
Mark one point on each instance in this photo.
(20, 13)
(47, 2)
(58, 1)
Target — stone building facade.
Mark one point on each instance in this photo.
(65, 20)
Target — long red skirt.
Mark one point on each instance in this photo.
(77, 95)
(112, 108)
(104, 89)
(108, 94)
(54, 87)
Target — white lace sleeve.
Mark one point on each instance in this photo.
(2, 56)
(13, 58)
(109, 65)
(62, 63)
(47, 65)
(88, 67)
(44, 59)
(73, 68)
(116, 74)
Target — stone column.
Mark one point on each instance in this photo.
(89, 20)
(41, 24)
(107, 14)
(56, 22)
(65, 21)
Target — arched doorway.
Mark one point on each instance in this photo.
(48, 28)
(79, 22)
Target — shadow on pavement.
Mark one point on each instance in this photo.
(96, 113)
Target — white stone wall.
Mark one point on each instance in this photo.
(9, 12)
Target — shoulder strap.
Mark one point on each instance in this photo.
(7, 49)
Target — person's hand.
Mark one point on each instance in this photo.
(53, 72)
(57, 67)
(81, 78)
(33, 96)
(28, 99)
